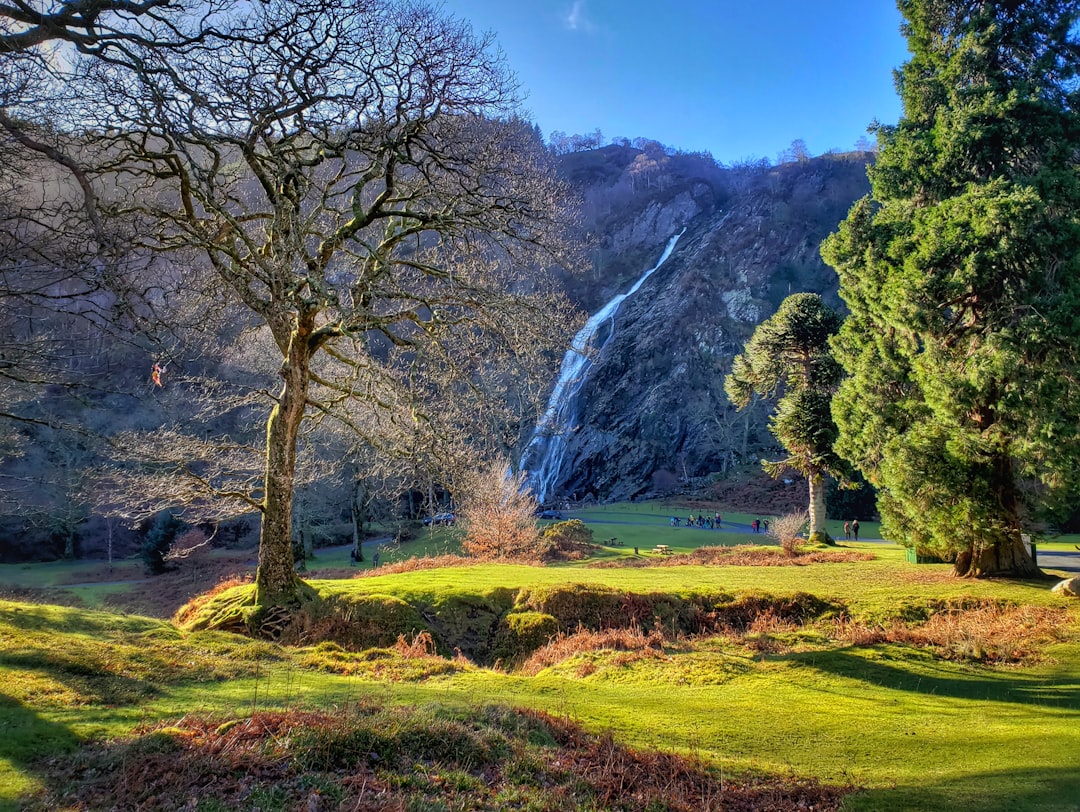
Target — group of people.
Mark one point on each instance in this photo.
(702, 521)
(851, 529)
(714, 522)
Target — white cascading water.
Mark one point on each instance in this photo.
(543, 457)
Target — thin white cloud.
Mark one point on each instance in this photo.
(576, 18)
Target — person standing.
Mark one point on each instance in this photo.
(847, 530)
(755, 524)
(855, 529)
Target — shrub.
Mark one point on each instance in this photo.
(566, 541)
(497, 512)
(155, 547)
(786, 530)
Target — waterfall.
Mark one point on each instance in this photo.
(543, 457)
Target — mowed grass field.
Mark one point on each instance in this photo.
(910, 726)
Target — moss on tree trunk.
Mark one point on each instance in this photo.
(276, 581)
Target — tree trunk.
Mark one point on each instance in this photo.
(357, 525)
(1002, 553)
(276, 580)
(997, 557)
(817, 506)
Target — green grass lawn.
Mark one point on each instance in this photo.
(910, 728)
(913, 730)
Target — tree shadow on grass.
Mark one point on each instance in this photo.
(25, 738)
(920, 673)
(1006, 790)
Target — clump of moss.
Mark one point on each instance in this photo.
(522, 633)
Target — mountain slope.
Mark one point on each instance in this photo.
(652, 411)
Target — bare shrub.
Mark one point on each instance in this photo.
(497, 512)
(421, 645)
(786, 530)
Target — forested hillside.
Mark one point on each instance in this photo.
(652, 414)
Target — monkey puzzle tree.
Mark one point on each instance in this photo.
(789, 356)
(962, 276)
(348, 178)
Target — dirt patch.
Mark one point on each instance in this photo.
(760, 493)
(161, 595)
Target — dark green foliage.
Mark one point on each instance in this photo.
(789, 356)
(856, 502)
(163, 532)
(571, 539)
(962, 276)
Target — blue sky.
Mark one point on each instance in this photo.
(739, 78)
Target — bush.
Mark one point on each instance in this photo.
(786, 530)
(163, 532)
(497, 511)
(566, 541)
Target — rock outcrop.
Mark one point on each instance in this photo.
(653, 412)
(1069, 588)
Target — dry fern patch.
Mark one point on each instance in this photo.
(372, 757)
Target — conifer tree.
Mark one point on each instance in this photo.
(961, 274)
(789, 355)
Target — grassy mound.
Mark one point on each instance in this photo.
(503, 624)
(872, 673)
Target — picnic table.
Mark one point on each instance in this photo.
(662, 549)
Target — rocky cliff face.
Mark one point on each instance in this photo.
(652, 411)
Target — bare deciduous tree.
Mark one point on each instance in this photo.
(353, 181)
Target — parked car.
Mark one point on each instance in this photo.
(549, 514)
(441, 519)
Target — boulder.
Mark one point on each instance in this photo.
(1070, 587)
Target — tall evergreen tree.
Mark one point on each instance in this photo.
(789, 355)
(962, 273)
